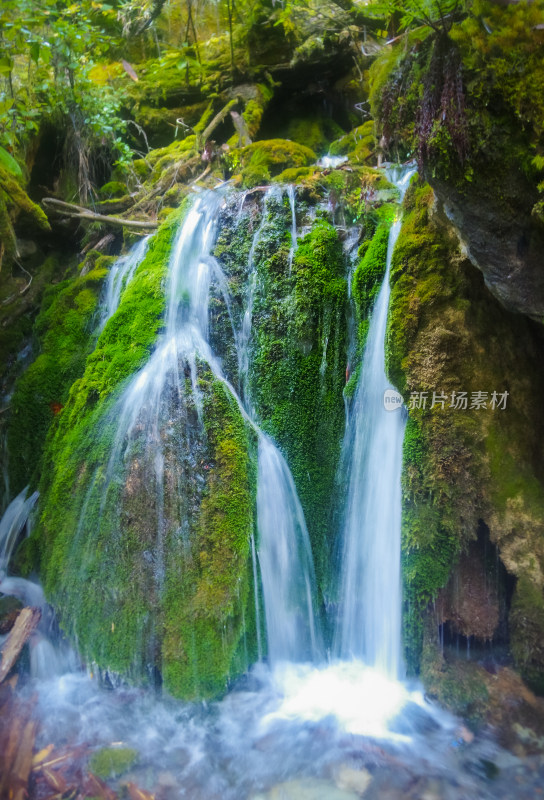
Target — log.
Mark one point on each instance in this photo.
(17, 739)
(79, 212)
(24, 626)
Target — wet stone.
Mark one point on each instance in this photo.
(307, 789)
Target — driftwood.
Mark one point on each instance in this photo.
(24, 626)
(79, 212)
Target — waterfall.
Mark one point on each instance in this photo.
(12, 523)
(120, 274)
(370, 602)
(169, 384)
(286, 561)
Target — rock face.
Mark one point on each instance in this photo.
(465, 466)
(500, 237)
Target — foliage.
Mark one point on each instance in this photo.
(45, 57)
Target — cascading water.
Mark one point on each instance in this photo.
(14, 520)
(149, 400)
(370, 602)
(119, 276)
(286, 561)
(282, 732)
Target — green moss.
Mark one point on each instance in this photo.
(296, 175)
(208, 594)
(13, 196)
(358, 144)
(145, 576)
(458, 686)
(368, 276)
(265, 159)
(112, 762)
(314, 131)
(64, 331)
(527, 621)
(112, 189)
(299, 361)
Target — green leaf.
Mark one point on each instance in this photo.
(9, 163)
(6, 65)
(35, 51)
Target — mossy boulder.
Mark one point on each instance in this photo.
(357, 145)
(151, 576)
(261, 161)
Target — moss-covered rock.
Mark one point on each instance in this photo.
(299, 360)
(447, 335)
(150, 574)
(357, 145)
(64, 330)
(262, 160)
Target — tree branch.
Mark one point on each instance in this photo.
(78, 212)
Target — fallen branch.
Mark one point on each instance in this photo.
(201, 177)
(78, 212)
(217, 120)
(24, 626)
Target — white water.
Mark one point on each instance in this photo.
(120, 274)
(286, 562)
(12, 523)
(293, 721)
(370, 585)
(331, 162)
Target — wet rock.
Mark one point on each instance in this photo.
(307, 789)
(112, 761)
(501, 238)
(355, 780)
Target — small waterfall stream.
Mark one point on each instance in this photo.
(370, 604)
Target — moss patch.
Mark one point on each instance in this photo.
(111, 762)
